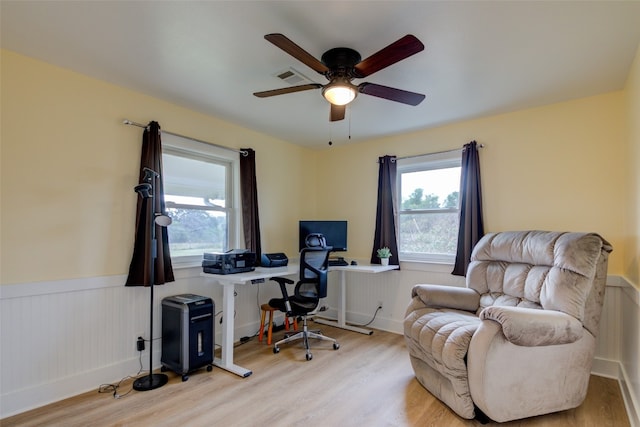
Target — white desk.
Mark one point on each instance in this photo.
(341, 322)
(228, 282)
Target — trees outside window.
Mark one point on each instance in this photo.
(200, 186)
(429, 207)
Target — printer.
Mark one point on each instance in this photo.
(277, 259)
(232, 261)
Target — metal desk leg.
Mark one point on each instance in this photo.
(342, 311)
(226, 360)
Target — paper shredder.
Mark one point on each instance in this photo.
(187, 333)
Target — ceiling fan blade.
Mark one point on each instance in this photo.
(390, 93)
(285, 90)
(297, 52)
(396, 51)
(337, 112)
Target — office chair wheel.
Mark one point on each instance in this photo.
(276, 350)
(336, 346)
(185, 377)
(309, 356)
(209, 368)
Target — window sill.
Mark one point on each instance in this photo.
(431, 266)
(183, 265)
(184, 270)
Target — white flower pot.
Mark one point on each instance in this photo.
(384, 261)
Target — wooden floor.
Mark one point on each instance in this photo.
(367, 382)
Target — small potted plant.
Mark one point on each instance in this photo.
(384, 254)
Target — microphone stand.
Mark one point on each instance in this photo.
(147, 191)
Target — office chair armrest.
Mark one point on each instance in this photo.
(283, 281)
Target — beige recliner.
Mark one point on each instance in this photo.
(519, 340)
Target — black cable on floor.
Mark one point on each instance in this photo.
(113, 388)
(370, 321)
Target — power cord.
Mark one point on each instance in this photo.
(113, 388)
(370, 321)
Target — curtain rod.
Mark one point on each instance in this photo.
(132, 123)
(437, 152)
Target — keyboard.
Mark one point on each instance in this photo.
(337, 262)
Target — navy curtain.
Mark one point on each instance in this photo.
(139, 269)
(249, 199)
(386, 212)
(471, 223)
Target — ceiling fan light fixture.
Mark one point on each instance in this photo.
(339, 92)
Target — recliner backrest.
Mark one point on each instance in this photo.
(539, 269)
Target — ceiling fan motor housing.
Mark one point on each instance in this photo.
(340, 61)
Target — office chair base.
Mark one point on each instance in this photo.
(305, 335)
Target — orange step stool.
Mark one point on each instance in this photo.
(266, 308)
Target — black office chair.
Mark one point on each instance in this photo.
(312, 286)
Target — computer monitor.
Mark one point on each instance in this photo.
(335, 233)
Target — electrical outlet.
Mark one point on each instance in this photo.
(140, 344)
(380, 305)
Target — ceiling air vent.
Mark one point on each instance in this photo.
(293, 77)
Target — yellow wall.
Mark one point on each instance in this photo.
(559, 167)
(632, 225)
(69, 167)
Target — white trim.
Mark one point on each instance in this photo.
(179, 145)
(613, 369)
(425, 163)
(606, 368)
(13, 403)
(630, 400)
(22, 290)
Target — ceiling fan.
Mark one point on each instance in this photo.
(341, 65)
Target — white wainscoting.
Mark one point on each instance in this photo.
(629, 331)
(62, 338)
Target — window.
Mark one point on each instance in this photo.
(200, 185)
(429, 198)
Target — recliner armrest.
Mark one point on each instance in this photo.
(534, 327)
(447, 297)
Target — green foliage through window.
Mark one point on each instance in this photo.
(429, 207)
(417, 200)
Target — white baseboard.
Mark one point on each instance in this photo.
(606, 368)
(614, 370)
(13, 403)
(630, 400)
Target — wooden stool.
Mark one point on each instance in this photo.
(267, 308)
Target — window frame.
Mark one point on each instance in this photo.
(426, 162)
(195, 150)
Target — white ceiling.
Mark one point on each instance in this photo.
(481, 57)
